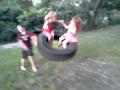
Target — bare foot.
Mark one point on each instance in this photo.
(23, 68)
(34, 69)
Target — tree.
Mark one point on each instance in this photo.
(94, 13)
(25, 4)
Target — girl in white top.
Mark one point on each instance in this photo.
(70, 36)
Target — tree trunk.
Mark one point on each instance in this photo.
(94, 13)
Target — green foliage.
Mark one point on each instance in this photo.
(24, 4)
(82, 9)
(8, 20)
(33, 17)
(109, 13)
(7, 32)
(13, 12)
(9, 15)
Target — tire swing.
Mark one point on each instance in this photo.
(54, 54)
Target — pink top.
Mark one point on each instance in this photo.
(71, 34)
(72, 30)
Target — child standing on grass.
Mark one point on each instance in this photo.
(70, 36)
(48, 26)
(24, 39)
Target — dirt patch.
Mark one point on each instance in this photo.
(88, 75)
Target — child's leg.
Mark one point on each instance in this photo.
(52, 37)
(60, 41)
(23, 64)
(24, 56)
(32, 63)
(49, 38)
(65, 44)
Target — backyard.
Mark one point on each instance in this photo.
(95, 66)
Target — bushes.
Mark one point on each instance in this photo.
(8, 32)
(7, 36)
(32, 18)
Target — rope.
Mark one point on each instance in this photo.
(59, 5)
(66, 11)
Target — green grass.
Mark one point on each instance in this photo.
(103, 43)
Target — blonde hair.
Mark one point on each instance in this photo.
(51, 14)
(77, 23)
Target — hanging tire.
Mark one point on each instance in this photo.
(55, 54)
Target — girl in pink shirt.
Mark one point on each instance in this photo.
(70, 36)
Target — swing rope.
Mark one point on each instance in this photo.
(66, 11)
(59, 6)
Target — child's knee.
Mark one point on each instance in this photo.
(52, 34)
(49, 36)
(61, 38)
(65, 42)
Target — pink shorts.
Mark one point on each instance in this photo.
(69, 37)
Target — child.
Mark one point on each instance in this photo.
(70, 36)
(24, 39)
(48, 26)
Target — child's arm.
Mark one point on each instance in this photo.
(65, 25)
(22, 45)
(45, 25)
(34, 39)
(59, 21)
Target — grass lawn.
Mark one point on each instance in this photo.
(103, 44)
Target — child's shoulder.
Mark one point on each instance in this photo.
(45, 25)
(72, 26)
(30, 33)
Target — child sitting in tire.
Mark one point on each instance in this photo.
(48, 26)
(70, 36)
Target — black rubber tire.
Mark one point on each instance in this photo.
(54, 54)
